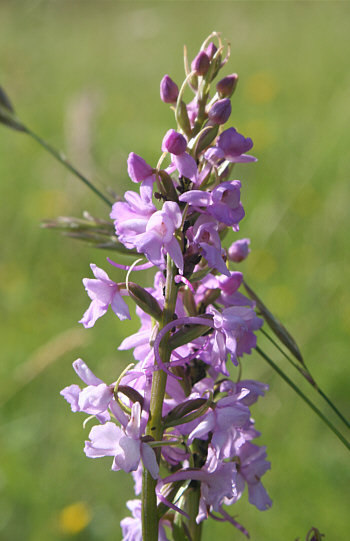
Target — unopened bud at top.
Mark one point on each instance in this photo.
(239, 250)
(201, 63)
(220, 112)
(174, 142)
(211, 50)
(226, 86)
(169, 90)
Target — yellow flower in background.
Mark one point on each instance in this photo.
(74, 518)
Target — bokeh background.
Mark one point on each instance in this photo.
(85, 76)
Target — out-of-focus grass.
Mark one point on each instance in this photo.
(85, 76)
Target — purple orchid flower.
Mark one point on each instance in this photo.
(217, 484)
(232, 324)
(228, 412)
(156, 235)
(256, 389)
(103, 292)
(207, 239)
(231, 146)
(223, 203)
(138, 208)
(176, 144)
(252, 466)
(124, 444)
(228, 286)
(96, 398)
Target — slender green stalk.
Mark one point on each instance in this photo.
(301, 394)
(62, 159)
(311, 381)
(155, 427)
(192, 510)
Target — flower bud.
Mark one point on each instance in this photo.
(145, 301)
(226, 86)
(169, 90)
(239, 250)
(174, 142)
(220, 112)
(201, 63)
(138, 169)
(211, 50)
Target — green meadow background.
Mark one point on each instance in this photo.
(85, 76)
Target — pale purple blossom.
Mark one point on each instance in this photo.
(217, 483)
(125, 445)
(232, 326)
(176, 144)
(103, 293)
(96, 398)
(228, 412)
(251, 467)
(223, 203)
(256, 389)
(207, 239)
(136, 210)
(156, 236)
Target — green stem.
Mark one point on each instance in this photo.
(192, 505)
(312, 382)
(62, 158)
(301, 394)
(155, 426)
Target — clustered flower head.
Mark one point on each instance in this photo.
(177, 219)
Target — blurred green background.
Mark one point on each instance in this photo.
(85, 76)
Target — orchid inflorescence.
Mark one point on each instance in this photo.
(177, 410)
